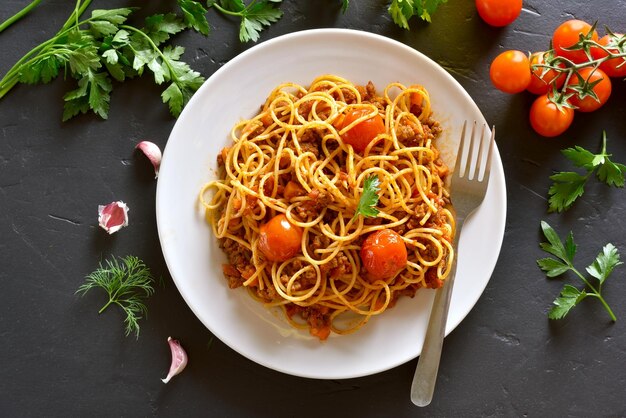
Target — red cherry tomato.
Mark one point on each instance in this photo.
(547, 119)
(383, 254)
(602, 90)
(568, 34)
(499, 12)
(614, 67)
(510, 71)
(540, 84)
(361, 134)
(279, 240)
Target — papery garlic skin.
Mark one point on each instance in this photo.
(179, 359)
(153, 152)
(113, 217)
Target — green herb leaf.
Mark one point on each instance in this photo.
(344, 5)
(95, 89)
(552, 267)
(580, 157)
(161, 27)
(554, 245)
(402, 10)
(568, 298)
(604, 263)
(254, 17)
(195, 15)
(567, 187)
(369, 198)
(127, 285)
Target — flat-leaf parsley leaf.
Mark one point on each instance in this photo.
(254, 17)
(369, 198)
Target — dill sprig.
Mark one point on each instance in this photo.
(127, 284)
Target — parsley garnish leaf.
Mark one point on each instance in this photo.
(569, 186)
(344, 5)
(195, 16)
(254, 17)
(568, 298)
(604, 263)
(403, 10)
(600, 269)
(127, 285)
(369, 198)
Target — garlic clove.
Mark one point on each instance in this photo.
(153, 152)
(179, 359)
(113, 217)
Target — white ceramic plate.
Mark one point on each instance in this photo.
(236, 91)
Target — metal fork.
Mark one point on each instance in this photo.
(468, 187)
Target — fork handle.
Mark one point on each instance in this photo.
(425, 377)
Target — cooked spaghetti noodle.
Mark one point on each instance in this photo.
(292, 159)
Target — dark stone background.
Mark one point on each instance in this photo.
(58, 357)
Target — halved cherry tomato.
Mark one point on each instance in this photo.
(541, 84)
(602, 89)
(360, 135)
(510, 71)
(499, 12)
(547, 119)
(279, 240)
(567, 35)
(614, 67)
(383, 254)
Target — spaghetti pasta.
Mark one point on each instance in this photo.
(285, 204)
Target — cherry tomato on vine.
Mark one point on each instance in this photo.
(383, 254)
(279, 239)
(602, 89)
(540, 84)
(567, 35)
(510, 71)
(499, 12)
(612, 67)
(547, 119)
(360, 135)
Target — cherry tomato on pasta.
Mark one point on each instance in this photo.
(361, 134)
(567, 35)
(540, 80)
(547, 119)
(602, 89)
(510, 71)
(279, 239)
(614, 67)
(383, 254)
(499, 12)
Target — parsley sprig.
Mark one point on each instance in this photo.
(570, 185)
(104, 47)
(127, 284)
(254, 17)
(600, 269)
(403, 10)
(369, 198)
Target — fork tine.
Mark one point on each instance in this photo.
(459, 153)
(470, 154)
(480, 156)
(486, 171)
